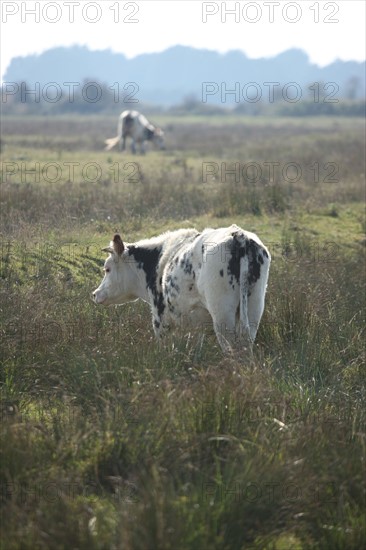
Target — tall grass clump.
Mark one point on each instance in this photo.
(103, 425)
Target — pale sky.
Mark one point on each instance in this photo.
(325, 30)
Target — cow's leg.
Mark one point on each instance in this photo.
(133, 147)
(122, 143)
(142, 148)
(161, 326)
(223, 312)
(225, 330)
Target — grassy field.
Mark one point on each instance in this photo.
(110, 441)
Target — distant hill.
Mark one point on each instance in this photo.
(169, 77)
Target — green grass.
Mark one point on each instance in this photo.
(109, 440)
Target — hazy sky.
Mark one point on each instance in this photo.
(325, 30)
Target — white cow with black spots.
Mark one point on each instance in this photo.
(134, 125)
(190, 278)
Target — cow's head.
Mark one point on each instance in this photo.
(159, 138)
(117, 284)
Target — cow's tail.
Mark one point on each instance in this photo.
(244, 295)
(111, 142)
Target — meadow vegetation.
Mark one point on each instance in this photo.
(109, 440)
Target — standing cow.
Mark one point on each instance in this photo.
(132, 124)
(218, 276)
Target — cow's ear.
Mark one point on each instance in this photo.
(118, 245)
(108, 249)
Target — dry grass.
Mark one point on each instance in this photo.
(110, 441)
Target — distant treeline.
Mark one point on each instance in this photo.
(91, 97)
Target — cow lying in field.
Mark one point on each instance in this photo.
(132, 124)
(190, 278)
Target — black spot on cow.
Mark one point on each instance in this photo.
(190, 287)
(237, 251)
(170, 305)
(148, 133)
(171, 283)
(156, 323)
(148, 260)
(254, 263)
(128, 122)
(186, 265)
(221, 272)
